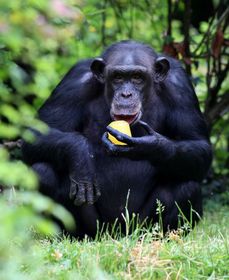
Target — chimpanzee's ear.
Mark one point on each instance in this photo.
(161, 69)
(97, 68)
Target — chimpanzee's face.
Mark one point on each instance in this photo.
(128, 80)
(125, 89)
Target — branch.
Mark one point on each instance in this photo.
(207, 34)
(211, 27)
(187, 21)
(221, 77)
(211, 100)
(11, 145)
(223, 16)
(220, 109)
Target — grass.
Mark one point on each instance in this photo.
(203, 254)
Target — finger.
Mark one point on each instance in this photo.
(97, 189)
(73, 188)
(145, 125)
(80, 197)
(119, 150)
(123, 150)
(97, 192)
(115, 149)
(121, 136)
(73, 191)
(89, 193)
(108, 144)
(105, 139)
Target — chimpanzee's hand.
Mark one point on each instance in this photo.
(83, 183)
(147, 146)
(84, 191)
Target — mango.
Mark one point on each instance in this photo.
(121, 126)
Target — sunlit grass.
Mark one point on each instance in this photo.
(203, 254)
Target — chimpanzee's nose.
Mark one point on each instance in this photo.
(126, 94)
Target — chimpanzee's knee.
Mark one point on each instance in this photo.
(48, 180)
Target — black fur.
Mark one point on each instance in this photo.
(167, 157)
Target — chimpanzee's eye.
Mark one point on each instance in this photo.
(117, 78)
(137, 78)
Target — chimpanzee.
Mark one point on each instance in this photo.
(164, 160)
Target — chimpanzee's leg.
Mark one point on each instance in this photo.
(181, 203)
(48, 180)
(52, 186)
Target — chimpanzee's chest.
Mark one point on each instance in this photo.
(117, 176)
(122, 179)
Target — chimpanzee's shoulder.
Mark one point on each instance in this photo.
(79, 67)
(174, 63)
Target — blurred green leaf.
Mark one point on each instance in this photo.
(39, 43)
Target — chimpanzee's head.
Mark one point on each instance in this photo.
(129, 71)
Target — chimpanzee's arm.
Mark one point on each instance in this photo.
(186, 151)
(64, 147)
(63, 113)
(183, 151)
(186, 156)
(183, 159)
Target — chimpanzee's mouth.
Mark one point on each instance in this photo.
(128, 118)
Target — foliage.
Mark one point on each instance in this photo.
(202, 254)
(39, 42)
(204, 51)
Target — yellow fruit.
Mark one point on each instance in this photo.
(121, 126)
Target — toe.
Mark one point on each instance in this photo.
(80, 197)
